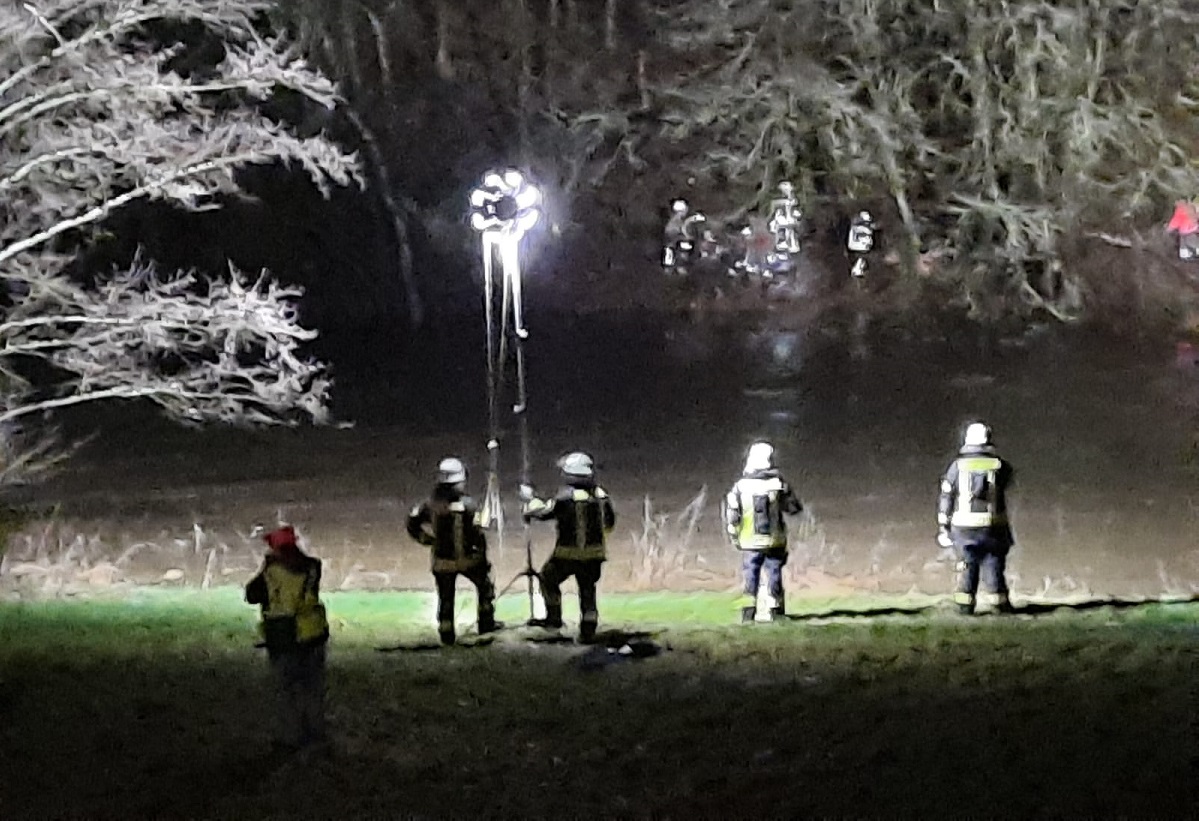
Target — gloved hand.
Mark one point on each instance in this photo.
(943, 539)
(527, 493)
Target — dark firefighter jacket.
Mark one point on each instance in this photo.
(973, 498)
(754, 510)
(584, 515)
(288, 588)
(448, 524)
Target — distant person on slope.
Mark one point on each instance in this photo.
(1185, 223)
(753, 516)
(295, 631)
(972, 517)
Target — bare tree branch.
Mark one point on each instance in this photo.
(92, 118)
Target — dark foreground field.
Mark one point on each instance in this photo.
(153, 705)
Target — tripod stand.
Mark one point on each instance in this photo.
(520, 409)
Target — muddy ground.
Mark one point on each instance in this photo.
(864, 416)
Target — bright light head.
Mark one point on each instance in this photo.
(506, 203)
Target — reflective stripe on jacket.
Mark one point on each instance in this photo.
(449, 525)
(754, 511)
(974, 491)
(584, 516)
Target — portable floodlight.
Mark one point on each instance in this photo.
(503, 209)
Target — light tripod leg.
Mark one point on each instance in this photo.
(493, 503)
(531, 573)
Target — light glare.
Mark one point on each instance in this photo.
(528, 196)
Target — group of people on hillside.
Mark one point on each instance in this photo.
(765, 245)
(971, 517)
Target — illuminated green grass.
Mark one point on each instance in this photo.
(156, 705)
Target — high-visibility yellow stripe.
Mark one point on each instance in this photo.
(455, 565)
(963, 598)
(581, 554)
(966, 518)
(978, 464)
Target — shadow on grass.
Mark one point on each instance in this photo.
(613, 639)
(864, 614)
(1039, 608)
(1030, 609)
(465, 643)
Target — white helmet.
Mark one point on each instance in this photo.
(679, 206)
(577, 464)
(977, 435)
(451, 471)
(864, 216)
(787, 188)
(760, 457)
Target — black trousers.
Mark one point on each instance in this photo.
(587, 576)
(753, 562)
(984, 559)
(480, 576)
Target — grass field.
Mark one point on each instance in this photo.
(153, 704)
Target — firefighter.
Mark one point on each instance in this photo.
(584, 516)
(972, 516)
(753, 516)
(784, 220)
(295, 631)
(448, 523)
(859, 242)
(682, 236)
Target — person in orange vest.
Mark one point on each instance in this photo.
(295, 631)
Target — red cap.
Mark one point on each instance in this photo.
(281, 540)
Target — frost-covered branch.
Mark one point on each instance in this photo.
(99, 109)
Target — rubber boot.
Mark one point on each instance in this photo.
(966, 609)
(552, 620)
(1004, 605)
(748, 614)
(447, 636)
(587, 632)
(777, 614)
(489, 625)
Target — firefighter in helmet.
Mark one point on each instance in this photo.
(584, 516)
(972, 517)
(753, 516)
(295, 631)
(784, 219)
(682, 236)
(448, 523)
(859, 242)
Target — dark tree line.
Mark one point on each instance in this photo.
(1002, 132)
